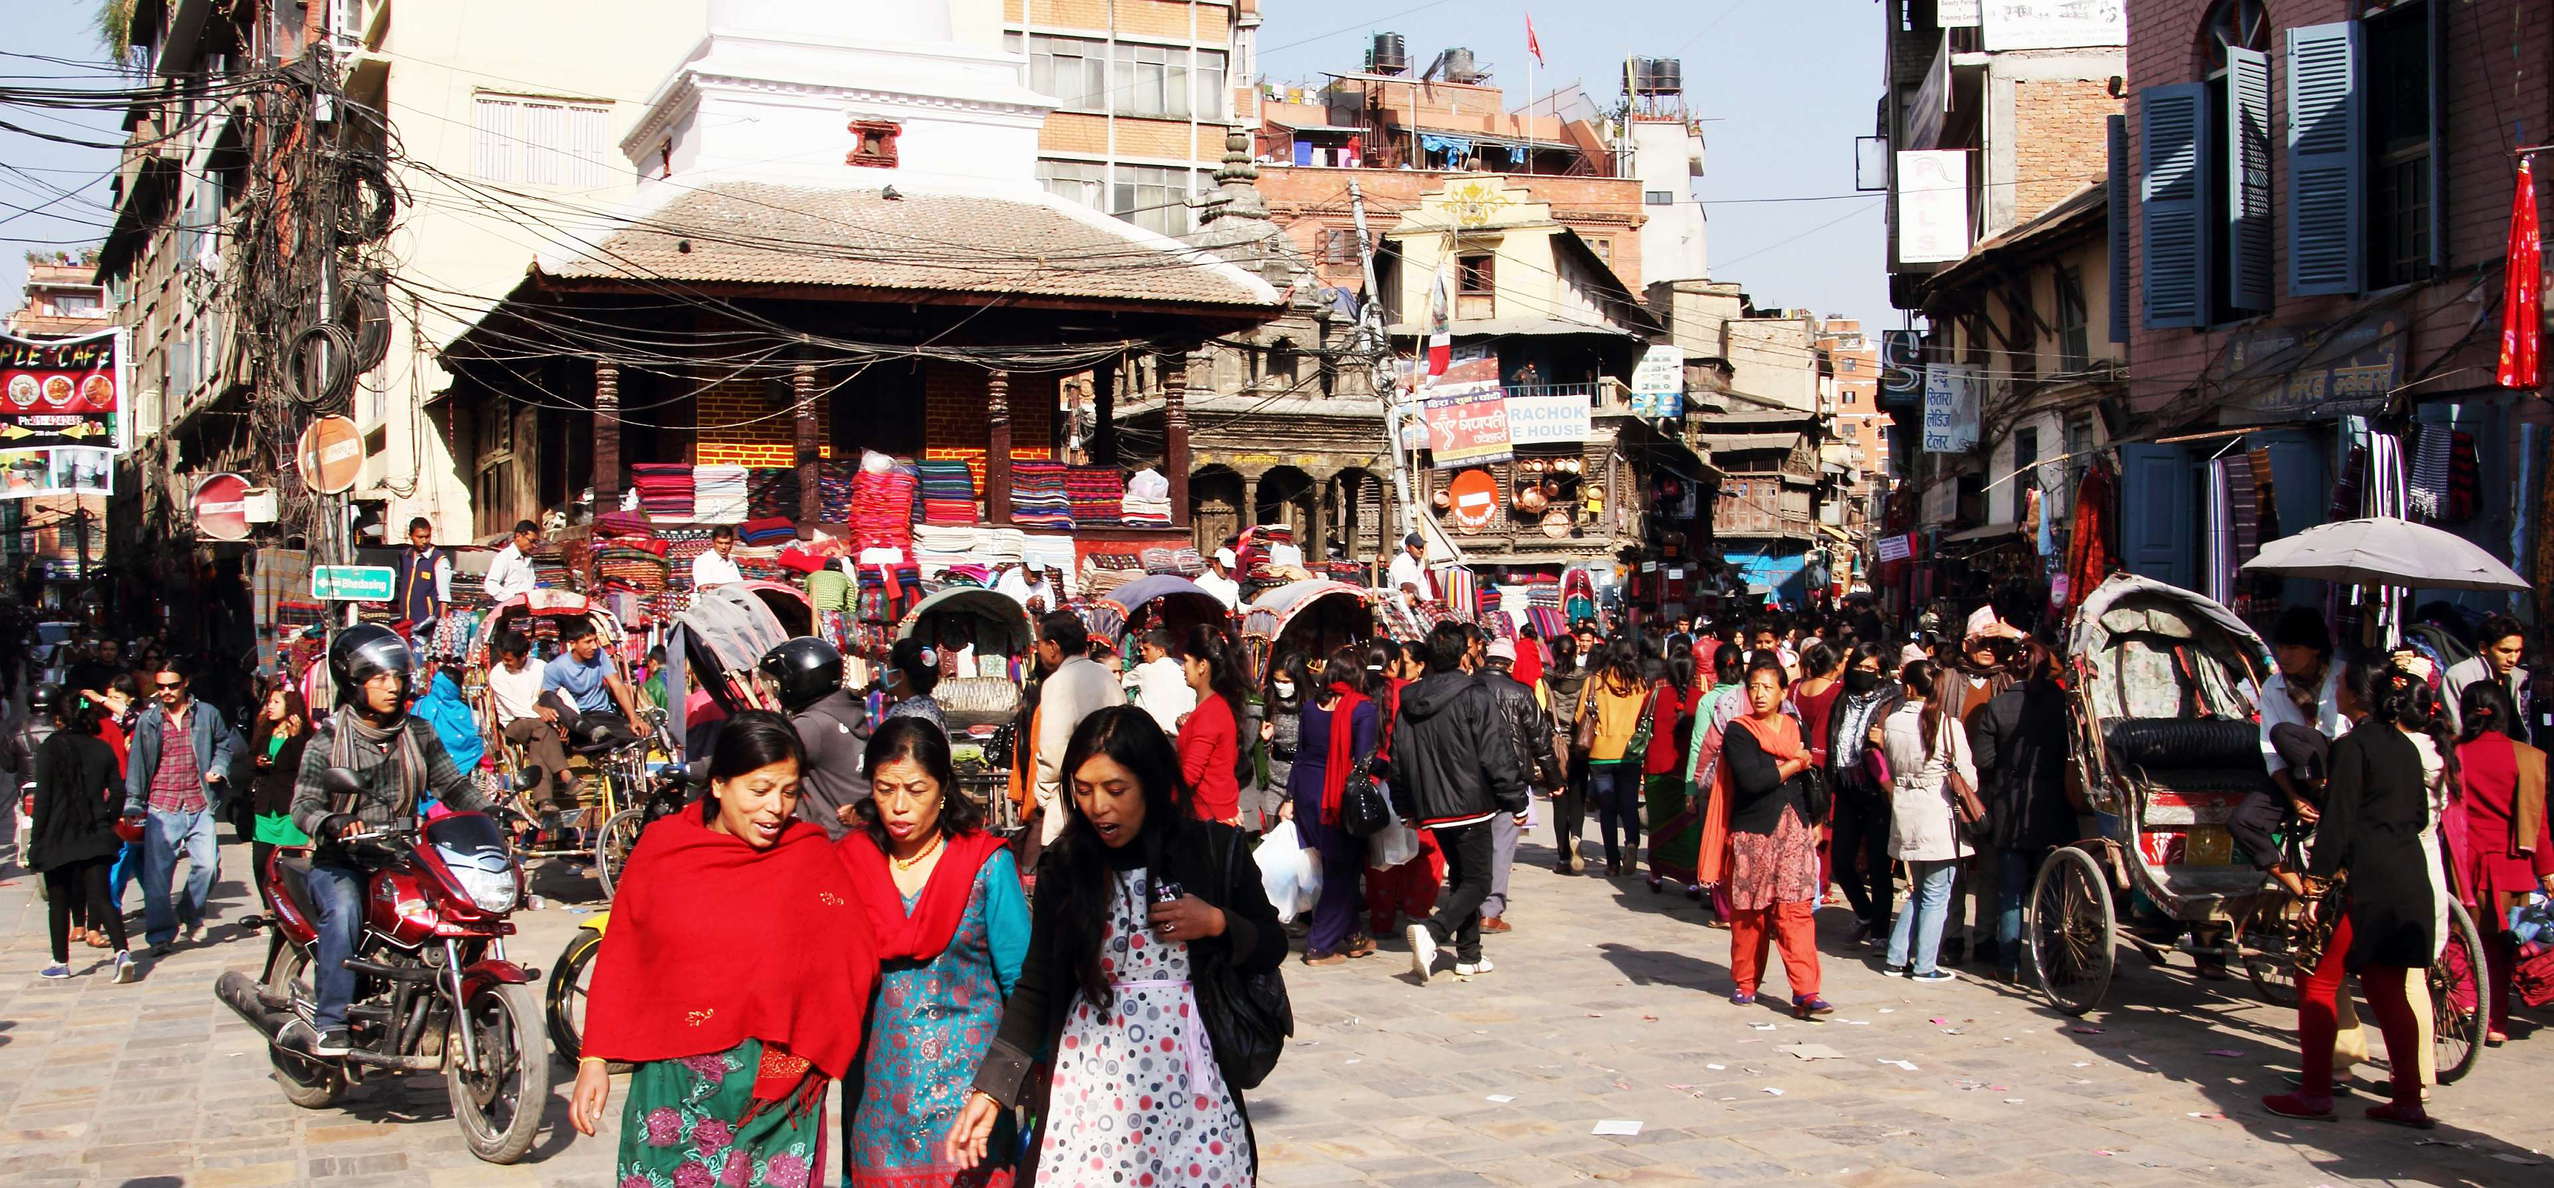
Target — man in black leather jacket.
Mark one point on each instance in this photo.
(1531, 727)
(1454, 767)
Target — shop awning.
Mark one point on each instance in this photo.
(1982, 532)
(1740, 443)
(1510, 327)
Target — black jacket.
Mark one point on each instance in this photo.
(1849, 741)
(2019, 740)
(2374, 808)
(1041, 1002)
(835, 731)
(1758, 793)
(1531, 727)
(78, 794)
(1451, 758)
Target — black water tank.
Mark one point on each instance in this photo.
(1388, 55)
(1666, 76)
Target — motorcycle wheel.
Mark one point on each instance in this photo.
(613, 844)
(310, 1084)
(565, 994)
(499, 1107)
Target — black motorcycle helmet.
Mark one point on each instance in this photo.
(42, 701)
(362, 651)
(805, 669)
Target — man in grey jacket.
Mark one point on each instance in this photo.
(1074, 688)
(173, 783)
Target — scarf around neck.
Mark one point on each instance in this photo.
(924, 933)
(1341, 757)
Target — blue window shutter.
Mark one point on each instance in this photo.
(2157, 520)
(2326, 161)
(2248, 221)
(2121, 212)
(2172, 133)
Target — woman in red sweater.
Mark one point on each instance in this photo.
(1210, 754)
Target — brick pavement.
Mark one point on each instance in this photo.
(1606, 1004)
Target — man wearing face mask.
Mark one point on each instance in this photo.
(1860, 847)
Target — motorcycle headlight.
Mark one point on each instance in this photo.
(492, 890)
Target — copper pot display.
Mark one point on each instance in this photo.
(1530, 501)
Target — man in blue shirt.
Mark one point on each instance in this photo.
(584, 678)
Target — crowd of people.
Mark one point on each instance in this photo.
(837, 908)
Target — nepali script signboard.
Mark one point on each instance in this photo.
(62, 392)
(1467, 425)
(1950, 408)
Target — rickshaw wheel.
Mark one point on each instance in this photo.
(2459, 1012)
(2072, 948)
(2267, 941)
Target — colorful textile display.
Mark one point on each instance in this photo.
(948, 491)
(1148, 500)
(833, 491)
(665, 490)
(771, 491)
(1097, 494)
(718, 494)
(1039, 497)
(624, 523)
(881, 512)
(770, 531)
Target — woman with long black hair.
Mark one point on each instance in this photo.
(2379, 832)
(1620, 698)
(1290, 685)
(1134, 899)
(1341, 727)
(1210, 750)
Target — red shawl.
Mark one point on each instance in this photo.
(1528, 667)
(921, 935)
(714, 942)
(1343, 745)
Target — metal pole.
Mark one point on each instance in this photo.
(1379, 353)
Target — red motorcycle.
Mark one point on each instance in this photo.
(434, 991)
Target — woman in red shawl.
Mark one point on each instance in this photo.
(1340, 728)
(737, 1019)
(952, 928)
(2501, 848)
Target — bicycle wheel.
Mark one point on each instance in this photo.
(2073, 951)
(2459, 1013)
(613, 845)
(2267, 940)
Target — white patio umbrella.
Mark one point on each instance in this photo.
(2385, 551)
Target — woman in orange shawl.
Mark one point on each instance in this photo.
(1773, 844)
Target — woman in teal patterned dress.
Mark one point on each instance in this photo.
(952, 927)
(736, 979)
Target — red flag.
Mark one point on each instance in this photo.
(1533, 46)
(2522, 297)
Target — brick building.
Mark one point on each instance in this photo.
(1142, 92)
(2318, 196)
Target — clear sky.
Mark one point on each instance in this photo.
(1788, 84)
(34, 173)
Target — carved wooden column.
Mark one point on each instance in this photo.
(1175, 433)
(607, 436)
(802, 393)
(997, 448)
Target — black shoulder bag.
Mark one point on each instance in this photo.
(1247, 1015)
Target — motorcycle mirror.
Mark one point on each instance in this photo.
(694, 773)
(340, 784)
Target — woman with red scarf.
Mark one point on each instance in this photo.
(736, 979)
(1773, 845)
(1338, 730)
(944, 902)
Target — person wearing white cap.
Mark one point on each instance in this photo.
(1522, 711)
(1218, 579)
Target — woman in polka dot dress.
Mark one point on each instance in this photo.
(1134, 897)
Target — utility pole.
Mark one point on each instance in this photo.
(1379, 354)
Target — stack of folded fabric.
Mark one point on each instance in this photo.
(550, 567)
(1103, 573)
(468, 589)
(1097, 495)
(719, 494)
(1039, 498)
(1148, 500)
(761, 564)
(937, 548)
(771, 491)
(881, 509)
(624, 523)
(948, 491)
(833, 491)
(633, 564)
(681, 545)
(664, 490)
(771, 530)
(977, 576)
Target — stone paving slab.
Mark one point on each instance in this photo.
(1607, 1003)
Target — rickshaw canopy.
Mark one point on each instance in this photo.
(1002, 611)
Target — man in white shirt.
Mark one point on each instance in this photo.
(514, 688)
(2500, 655)
(1409, 572)
(1218, 580)
(1028, 586)
(510, 575)
(717, 567)
(1072, 688)
(1161, 683)
(2296, 740)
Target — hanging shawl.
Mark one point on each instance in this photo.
(1342, 753)
(1702, 765)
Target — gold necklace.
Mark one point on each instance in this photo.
(937, 841)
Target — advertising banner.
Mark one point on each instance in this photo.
(1547, 420)
(1950, 408)
(63, 392)
(26, 473)
(1467, 425)
(1658, 383)
(1895, 548)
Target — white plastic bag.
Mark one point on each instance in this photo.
(1288, 872)
(1393, 844)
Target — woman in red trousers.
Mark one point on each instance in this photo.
(1773, 844)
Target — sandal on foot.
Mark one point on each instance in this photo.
(2395, 1115)
(2298, 1105)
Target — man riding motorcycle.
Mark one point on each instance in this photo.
(832, 726)
(397, 760)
